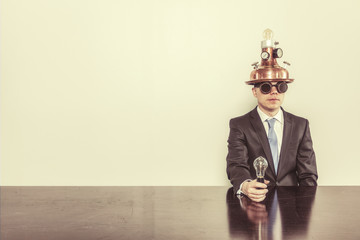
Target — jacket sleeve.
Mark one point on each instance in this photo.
(306, 161)
(238, 169)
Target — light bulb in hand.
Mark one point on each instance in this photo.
(260, 165)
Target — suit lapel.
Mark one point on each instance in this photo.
(260, 131)
(287, 132)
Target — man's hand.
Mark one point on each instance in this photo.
(256, 191)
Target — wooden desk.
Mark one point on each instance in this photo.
(63, 213)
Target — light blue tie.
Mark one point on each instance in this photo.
(273, 143)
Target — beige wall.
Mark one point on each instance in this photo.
(140, 92)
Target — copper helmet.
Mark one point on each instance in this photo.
(269, 70)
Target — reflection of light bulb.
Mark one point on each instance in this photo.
(260, 165)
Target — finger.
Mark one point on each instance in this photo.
(258, 191)
(260, 185)
(255, 184)
(258, 199)
(267, 182)
(261, 198)
(256, 196)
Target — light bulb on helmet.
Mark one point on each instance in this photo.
(268, 41)
(268, 34)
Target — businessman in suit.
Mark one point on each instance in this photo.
(291, 162)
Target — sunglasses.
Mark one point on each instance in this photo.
(265, 87)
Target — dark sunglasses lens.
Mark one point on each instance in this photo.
(282, 87)
(265, 88)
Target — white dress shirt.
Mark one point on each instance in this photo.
(279, 125)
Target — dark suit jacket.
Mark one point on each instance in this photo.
(248, 140)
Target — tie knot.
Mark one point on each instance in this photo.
(271, 122)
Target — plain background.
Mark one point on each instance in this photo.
(105, 92)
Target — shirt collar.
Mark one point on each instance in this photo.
(279, 116)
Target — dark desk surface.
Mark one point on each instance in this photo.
(40, 213)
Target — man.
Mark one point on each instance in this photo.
(248, 140)
(269, 131)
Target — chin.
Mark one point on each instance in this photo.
(273, 108)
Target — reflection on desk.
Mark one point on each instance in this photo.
(284, 214)
(177, 213)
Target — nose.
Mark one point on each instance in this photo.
(274, 90)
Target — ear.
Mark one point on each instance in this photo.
(254, 91)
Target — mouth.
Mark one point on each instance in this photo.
(273, 99)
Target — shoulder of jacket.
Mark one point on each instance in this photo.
(241, 120)
(295, 118)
